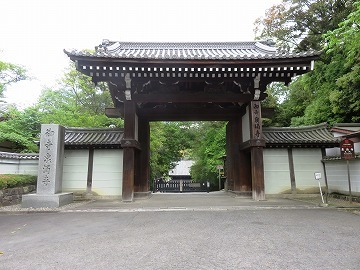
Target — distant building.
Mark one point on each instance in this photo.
(345, 130)
(181, 171)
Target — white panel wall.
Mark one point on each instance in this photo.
(28, 166)
(75, 170)
(19, 166)
(306, 162)
(276, 171)
(108, 172)
(9, 166)
(336, 171)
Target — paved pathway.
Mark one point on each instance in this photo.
(170, 232)
(189, 202)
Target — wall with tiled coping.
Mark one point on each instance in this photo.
(15, 163)
(336, 170)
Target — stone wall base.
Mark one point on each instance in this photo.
(46, 200)
(142, 195)
(12, 196)
(245, 194)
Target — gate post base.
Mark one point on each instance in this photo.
(142, 195)
(46, 200)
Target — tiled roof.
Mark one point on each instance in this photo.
(189, 51)
(300, 136)
(18, 155)
(346, 128)
(328, 158)
(93, 137)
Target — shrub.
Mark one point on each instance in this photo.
(16, 180)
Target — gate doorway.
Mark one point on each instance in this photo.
(192, 82)
(184, 156)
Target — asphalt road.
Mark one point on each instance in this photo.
(258, 238)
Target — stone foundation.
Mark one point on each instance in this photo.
(12, 196)
(46, 200)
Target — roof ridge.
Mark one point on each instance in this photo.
(195, 50)
(77, 129)
(298, 128)
(112, 46)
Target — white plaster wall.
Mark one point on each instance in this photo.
(276, 171)
(246, 126)
(336, 171)
(18, 166)
(28, 166)
(333, 151)
(108, 172)
(9, 166)
(75, 170)
(306, 162)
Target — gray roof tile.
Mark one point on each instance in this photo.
(19, 155)
(189, 51)
(309, 135)
(93, 136)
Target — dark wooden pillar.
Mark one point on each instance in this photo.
(256, 149)
(292, 171)
(229, 156)
(128, 174)
(90, 170)
(129, 144)
(239, 168)
(143, 162)
(257, 171)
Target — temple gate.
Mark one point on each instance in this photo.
(191, 82)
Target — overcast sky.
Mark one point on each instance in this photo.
(34, 33)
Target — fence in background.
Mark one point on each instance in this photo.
(179, 186)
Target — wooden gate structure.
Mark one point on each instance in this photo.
(191, 82)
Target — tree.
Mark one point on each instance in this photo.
(76, 102)
(277, 92)
(344, 42)
(21, 130)
(10, 73)
(330, 92)
(12, 124)
(208, 150)
(170, 142)
(301, 24)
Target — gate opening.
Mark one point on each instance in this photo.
(187, 156)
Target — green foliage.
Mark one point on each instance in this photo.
(300, 24)
(299, 96)
(77, 102)
(277, 92)
(344, 46)
(208, 150)
(331, 92)
(16, 180)
(10, 73)
(21, 129)
(203, 142)
(85, 95)
(170, 141)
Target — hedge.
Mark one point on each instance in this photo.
(16, 180)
